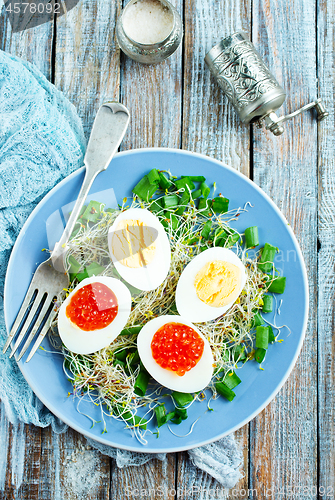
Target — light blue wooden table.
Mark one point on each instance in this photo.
(289, 447)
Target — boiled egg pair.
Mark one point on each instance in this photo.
(207, 288)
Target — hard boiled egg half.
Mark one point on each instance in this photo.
(94, 314)
(139, 248)
(175, 353)
(210, 284)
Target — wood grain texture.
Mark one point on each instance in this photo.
(87, 57)
(283, 454)
(194, 484)
(150, 481)
(71, 469)
(153, 95)
(326, 262)
(21, 444)
(210, 124)
(33, 45)
(211, 127)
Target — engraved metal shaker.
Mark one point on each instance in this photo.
(249, 85)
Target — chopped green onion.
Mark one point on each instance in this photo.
(93, 269)
(180, 413)
(239, 354)
(170, 201)
(134, 420)
(267, 303)
(185, 198)
(182, 398)
(93, 211)
(266, 261)
(206, 230)
(173, 219)
(153, 176)
(225, 391)
(262, 337)
(220, 237)
(131, 330)
(205, 206)
(156, 206)
(141, 383)
(119, 362)
(183, 182)
(272, 337)
(231, 380)
(220, 205)
(232, 239)
(121, 355)
(205, 190)
(277, 285)
(144, 189)
(196, 194)
(164, 183)
(134, 358)
(195, 178)
(160, 413)
(74, 265)
(251, 237)
(260, 354)
(257, 320)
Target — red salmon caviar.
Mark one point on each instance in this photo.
(177, 347)
(92, 307)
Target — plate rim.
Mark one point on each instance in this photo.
(304, 325)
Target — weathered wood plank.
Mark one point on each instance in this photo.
(71, 470)
(326, 266)
(210, 124)
(20, 464)
(87, 57)
(21, 444)
(33, 45)
(283, 454)
(150, 481)
(211, 127)
(153, 95)
(194, 484)
(87, 71)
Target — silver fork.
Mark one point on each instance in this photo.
(51, 276)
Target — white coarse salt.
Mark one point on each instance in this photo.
(147, 21)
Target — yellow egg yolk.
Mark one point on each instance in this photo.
(133, 243)
(217, 283)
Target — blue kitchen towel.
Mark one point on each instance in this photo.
(42, 141)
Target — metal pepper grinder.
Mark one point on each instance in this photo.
(249, 85)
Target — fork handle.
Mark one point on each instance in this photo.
(108, 129)
(58, 253)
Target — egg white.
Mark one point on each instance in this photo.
(195, 379)
(82, 342)
(188, 303)
(151, 276)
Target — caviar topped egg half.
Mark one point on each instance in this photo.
(93, 315)
(175, 353)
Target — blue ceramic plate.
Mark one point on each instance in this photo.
(44, 372)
